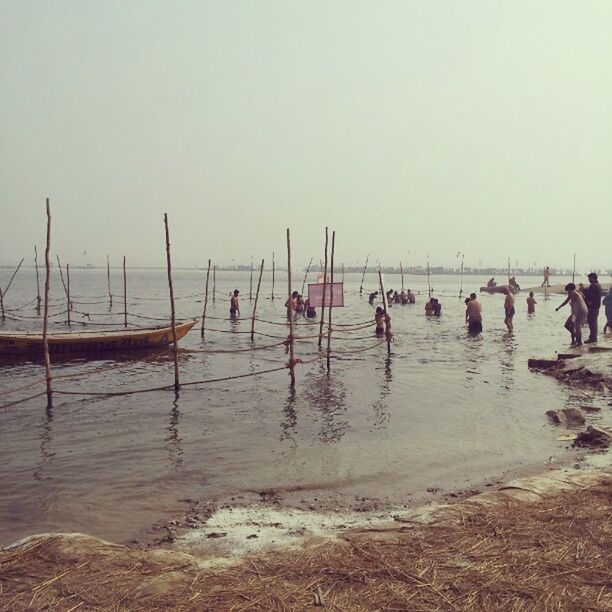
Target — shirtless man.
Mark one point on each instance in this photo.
(531, 303)
(234, 305)
(372, 297)
(379, 317)
(473, 314)
(292, 306)
(578, 317)
(546, 280)
(509, 309)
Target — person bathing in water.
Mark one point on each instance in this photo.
(234, 305)
(473, 314)
(293, 304)
(372, 297)
(509, 309)
(578, 314)
(379, 317)
(531, 303)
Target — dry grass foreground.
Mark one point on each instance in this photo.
(500, 554)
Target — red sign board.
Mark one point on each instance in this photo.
(315, 294)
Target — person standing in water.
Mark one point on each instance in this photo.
(578, 314)
(234, 305)
(592, 297)
(473, 314)
(509, 309)
(379, 317)
(531, 303)
(546, 280)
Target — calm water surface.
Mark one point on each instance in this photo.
(445, 410)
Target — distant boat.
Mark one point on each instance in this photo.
(26, 343)
(498, 289)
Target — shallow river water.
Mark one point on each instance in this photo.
(445, 411)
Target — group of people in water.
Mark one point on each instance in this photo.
(585, 304)
(512, 284)
(584, 309)
(393, 297)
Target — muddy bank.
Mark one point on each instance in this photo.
(533, 544)
(586, 367)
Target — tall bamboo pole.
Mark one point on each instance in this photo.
(343, 274)
(261, 269)
(324, 290)
(3, 294)
(402, 273)
(205, 301)
(331, 301)
(306, 275)
(172, 308)
(574, 270)
(108, 282)
(428, 278)
(48, 376)
(59, 267)
(125, 313)
(291, 327)
(363, 275)
(68, 292)
(461, 287)
(37, 279)
(214, 291)
(273, 275)
(386, 308)
(251, 283)
(509, 271)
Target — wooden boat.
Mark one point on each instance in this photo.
(498, 289)
(20, 343)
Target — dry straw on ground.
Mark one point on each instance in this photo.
(551, 555)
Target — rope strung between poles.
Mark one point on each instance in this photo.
(21, 401)
(22, 388)
(167, 387)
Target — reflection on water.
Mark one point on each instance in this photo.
(45, 444)
(289, 423)
(380, 408)
(327, 394)
(173, 441)
(444, 408)
(506, 361)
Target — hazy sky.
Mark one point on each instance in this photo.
(410, 127)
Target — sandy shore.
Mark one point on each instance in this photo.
(539, 543)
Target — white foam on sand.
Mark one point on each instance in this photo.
(237, 531)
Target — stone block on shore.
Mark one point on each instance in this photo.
(570, 417)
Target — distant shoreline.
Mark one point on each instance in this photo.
(354, 270)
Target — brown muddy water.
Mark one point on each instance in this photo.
(445, 411)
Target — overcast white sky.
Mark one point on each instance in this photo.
(410, 127)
